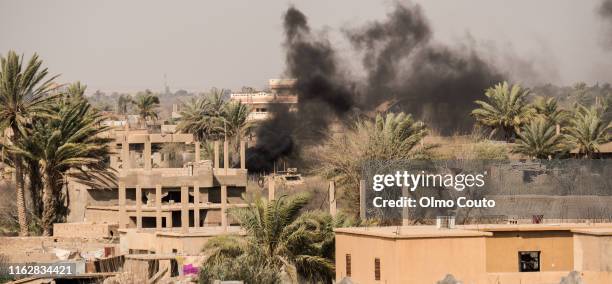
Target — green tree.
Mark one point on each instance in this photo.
(505, 110)
(539, 139)
(75, 92)
(67, 145)
(548, 108)
(235, 123)
(146, 105)
(199, 118)
(587, 130)
(281, 243)
(23, 97)
(205, 116)
(123, 104)
(394, 136)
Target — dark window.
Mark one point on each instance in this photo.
(377, 269)
(529, 261)
(348, 265)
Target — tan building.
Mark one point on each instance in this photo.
(492, 254)
(167, 200)
(260, 102)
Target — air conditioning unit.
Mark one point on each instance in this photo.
(445, 222)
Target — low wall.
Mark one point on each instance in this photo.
(85, 230)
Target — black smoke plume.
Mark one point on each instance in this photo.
(323, 96)
(605, 12)
(436, 83)
(404, 68)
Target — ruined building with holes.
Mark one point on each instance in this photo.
(167, 199)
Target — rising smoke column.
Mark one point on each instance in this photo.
(605, 12)
(323, 95)
(436, 83)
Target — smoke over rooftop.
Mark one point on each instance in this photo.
(403, 66)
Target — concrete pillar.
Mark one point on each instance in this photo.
(362, 199)
(125, 153)
(138, 207)
(216, 157)
(225, 155)
(196, 205)
(271, 187)
(147, 153)
(122, 211)
(224, 207)
(197, 151)
(332, 198)
(184, 208)
(158, 197)
(405, 210)
(243, 154)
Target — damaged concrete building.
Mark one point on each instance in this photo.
(167, 199)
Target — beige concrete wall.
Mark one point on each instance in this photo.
(556, 250)
(419, 260)
(185, 245)
(85, 230)
(101, 216)
(592, 253)
(363, 250)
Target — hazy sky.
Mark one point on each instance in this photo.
(130, 45)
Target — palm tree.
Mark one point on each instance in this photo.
(123, 104)
(67, 145)
(279, 243)
(548, 108)
(587, 130)
(75, 91)
(235, 123)
(200, 118)
(204, 117)
(505, 111)
(23, 96)
(538, 139)
(147, 105)
(390, 137)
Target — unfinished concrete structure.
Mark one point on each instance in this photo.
(165, 192)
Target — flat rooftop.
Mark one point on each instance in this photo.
(408, 232)
(533, 227)
(411, 232)
(594, 231)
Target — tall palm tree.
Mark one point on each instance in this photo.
(200, 118)
(279, 241)
(123, 103)
(389, 137)
(538, 139)
(68, 145)
(146, 105)
(548, 108)
(204, 116)
(75, 91)
(235, 123)
(505, 111)
(23, 96)
(587, 130)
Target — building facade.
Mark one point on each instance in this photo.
(495, 254)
